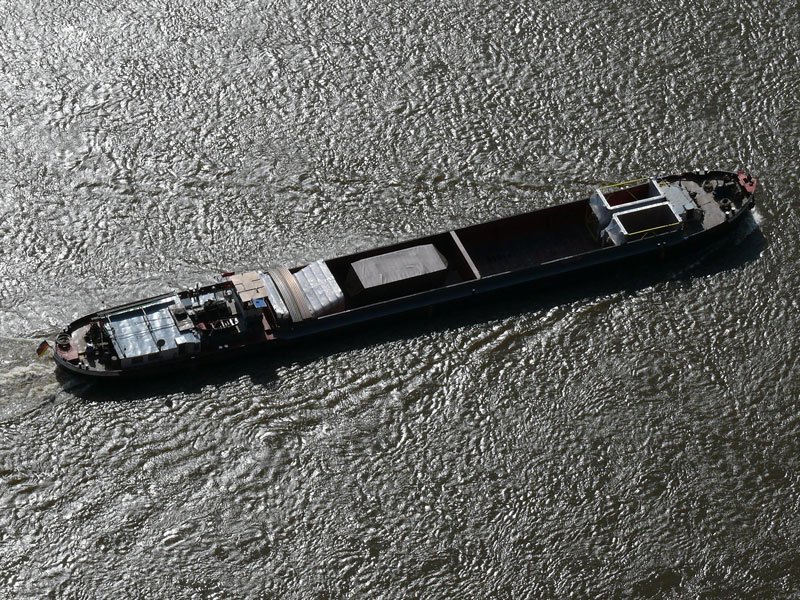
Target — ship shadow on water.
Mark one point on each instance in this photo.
(740, 248)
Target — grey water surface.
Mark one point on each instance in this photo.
(630, 438)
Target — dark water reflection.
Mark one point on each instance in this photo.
(633, 437)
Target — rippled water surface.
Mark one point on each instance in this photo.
(628, 438)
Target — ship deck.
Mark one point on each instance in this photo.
(523, 251)
(528, 240)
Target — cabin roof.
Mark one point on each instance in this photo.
(139, 330)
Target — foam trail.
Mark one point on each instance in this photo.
(8, 338)
(749, 224)
(757, 216)
(25, 371)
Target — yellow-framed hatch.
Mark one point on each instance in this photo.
(640, 222)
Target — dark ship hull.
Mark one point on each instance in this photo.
(256, 312)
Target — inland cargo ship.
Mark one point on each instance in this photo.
(262, 311)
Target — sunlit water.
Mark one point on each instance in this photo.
(628, 438)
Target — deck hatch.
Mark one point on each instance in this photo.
(322, 293)
(397, 273)
(641, 222)
(609, 200)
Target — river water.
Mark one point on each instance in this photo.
(633, 437)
